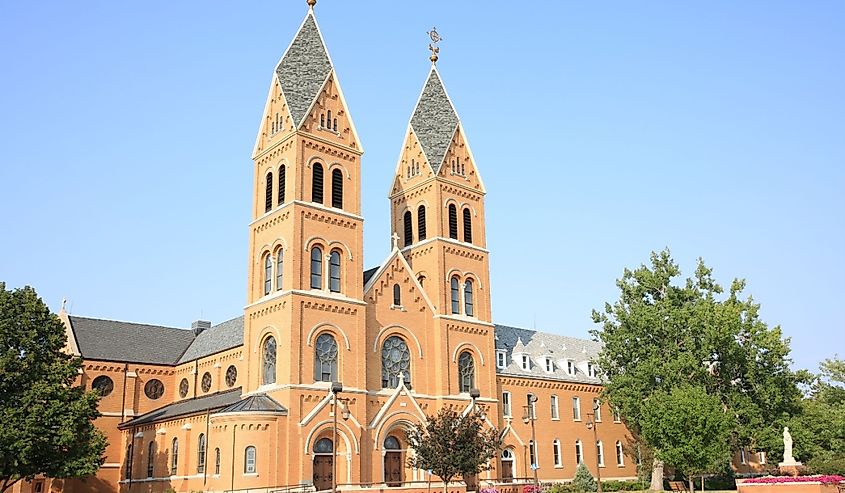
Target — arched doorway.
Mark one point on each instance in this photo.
(323, 464)
(507, 465)
(393, 464)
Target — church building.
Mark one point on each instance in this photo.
(248, 403)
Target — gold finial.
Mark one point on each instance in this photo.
(435, 38)
(311, 4)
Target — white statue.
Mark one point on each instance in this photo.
(787, 447)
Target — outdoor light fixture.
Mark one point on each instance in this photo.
(529, 417)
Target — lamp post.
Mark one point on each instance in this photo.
(473, 394)
(526, 418)
(336, 388)
(593, 425)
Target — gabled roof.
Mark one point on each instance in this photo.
(538, 345)
(112, 340)
(304, 69)
(220, 337)
(434, 120)
(187, 407)
(258, 403)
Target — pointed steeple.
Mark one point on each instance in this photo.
(434, 120)
(304, 69)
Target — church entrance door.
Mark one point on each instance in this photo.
(393, 466)
(323, 464)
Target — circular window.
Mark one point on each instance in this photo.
(183, 387)
(231, 375)
(103, 385)
(154, 389)
(206, 382)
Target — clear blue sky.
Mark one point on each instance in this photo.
(602, 130)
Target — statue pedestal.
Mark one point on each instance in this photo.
(790, 468)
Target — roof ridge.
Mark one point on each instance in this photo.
(186, 329)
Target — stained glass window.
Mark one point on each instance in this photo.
(466, 371)
(231, 375)
(183, 388)
(154, 389)
(323, 446)
(206, 382)
(395, 360)
(103, 385)
(269, 359)
(325, 359)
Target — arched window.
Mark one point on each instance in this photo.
(532, 453)
(456, 296)
(620, 455)
(395, 361)
(323, 120)
(201, 454)
(128, 468)
(151, 453)
(397, 295)
(317, 183)
(316, 268)
(174, 456)
(466, 372)
(421, 223)
(337, 189)
(268, 193)
(453, 222)
(579, 452)
(323, 446)
(217, 461)
(334, 124)
(268, 274)
(421, 280)
(467, 225)
(329, 119)
(325, 359)
(556, 452)
(280, 258)
(391, 443)
(468, 305)
(268, 356)
(281, 193)
(409, 228)
(600, 452)
(249, 460)
(334, 271)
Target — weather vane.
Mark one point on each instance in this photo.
(435, 38)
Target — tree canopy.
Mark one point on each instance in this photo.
(46, 422)
(451, 444)
(663, 336)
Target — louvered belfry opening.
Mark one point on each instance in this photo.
(421, 223)
(467, 225)
(453, 222)
(268, 193)
(409, 228)
(317, 183)
(337, 189)
(281, 193)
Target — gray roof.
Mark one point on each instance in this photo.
(369, 273)
(303, 69)
(539, 345)
(220, 337)
(187, 407)
(130, 342)
(254, 404)
(434, 120)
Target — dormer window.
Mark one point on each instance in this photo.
(550, 366)
(501, 359)
(570, 367)
(526, 362)
(591, 370)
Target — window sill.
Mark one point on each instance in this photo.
(251, 474)
(555, 419)
(558, 467)
(398, 307)
(577, 419)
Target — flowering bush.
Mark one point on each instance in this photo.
(830, 479)
(531, 489)
(488, 490)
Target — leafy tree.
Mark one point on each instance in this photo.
(450, 444)
(662, 334)
(583, 480)
(46, 422)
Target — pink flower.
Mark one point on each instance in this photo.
(824, 479)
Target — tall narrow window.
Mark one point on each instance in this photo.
(579, 452)
(337, 189)
(217, 461)
(334, 124)
(620, 454)
(597, 409)
(201, 454)
(395, 361)
(468, 306)
(316, 268)
(334, 271)
(466, 372)
(128, 468)
(268, 356)
(407, 222)
(453, 222)
(280, 258)
(556, 452)
(281, 192)
(421, 223)
(617, 417)
(174, 456)
(249, 460)
(456, 296)
(151, 453)
(397, 295)
(317, 183)
(268, 193)
(600, 452)
(576, 408)
(325, 359)
(467, 225)
(506, 403)
(329, 119)
(268, 274)
(532, 453)
(323, 120)
(555, 413)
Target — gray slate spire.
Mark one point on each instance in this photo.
(434, 120)
(304, 69)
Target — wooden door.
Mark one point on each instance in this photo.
(393, 468)
(322, 472)
(507, 471)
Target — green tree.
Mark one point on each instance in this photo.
(662, 334)
(584, 480)
(450, 444)
(46, 422)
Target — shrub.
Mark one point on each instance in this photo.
(560, 488)
(828, 466)
(530, 488)
(583, 480)
(615, 485)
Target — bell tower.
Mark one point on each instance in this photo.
(306, 234)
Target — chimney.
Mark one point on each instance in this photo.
(200, 325)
